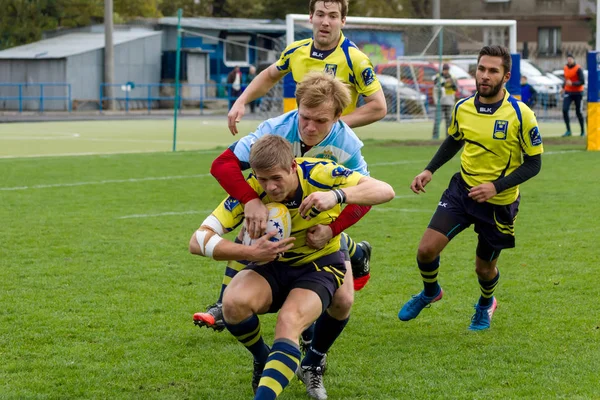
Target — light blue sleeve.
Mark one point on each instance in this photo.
(357, 163)
(241, 148)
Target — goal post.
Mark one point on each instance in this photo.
(387, 41)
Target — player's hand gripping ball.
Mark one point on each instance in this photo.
(279, 221)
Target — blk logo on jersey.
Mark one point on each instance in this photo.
(331, 69)
(368, 76)
(231, 203)
(535, 136)
(500, 130)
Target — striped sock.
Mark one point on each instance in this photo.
(429, 274)
(248, 333)
(356, 253)
(233, 267)
(487, 290)
(279, 370)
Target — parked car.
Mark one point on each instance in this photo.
(547, 89)
(422, 74)
(411, 101)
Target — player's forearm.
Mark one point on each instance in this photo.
(369, 192)
(531, 167)
(375, 108)
(447, 150)
(227, 170)
(260, 85)
(350, 215)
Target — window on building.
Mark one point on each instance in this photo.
(549, 41)
(237, 54)
(495, 36)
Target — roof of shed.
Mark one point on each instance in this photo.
(71, 44)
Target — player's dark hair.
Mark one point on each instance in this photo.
(343, 5)
(497, 51)
(271, 151)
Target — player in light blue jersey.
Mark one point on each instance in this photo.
(314, 130)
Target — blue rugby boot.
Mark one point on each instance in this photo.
(483, 316)
(414, 306)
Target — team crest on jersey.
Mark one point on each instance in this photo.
(341, 171)
(231, 203)
(331, 69)
(368, 76)
(327, 155)
(535, 136)
(500, 130)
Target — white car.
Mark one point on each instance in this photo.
(548, 90)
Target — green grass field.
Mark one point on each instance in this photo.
(98, 289)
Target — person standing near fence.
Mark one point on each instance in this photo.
(234, 82)
(328, 51)
(573, 92)
(249, 78)
(445, 87)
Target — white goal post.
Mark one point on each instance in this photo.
(510, 24)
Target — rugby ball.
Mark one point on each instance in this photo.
(279, 220)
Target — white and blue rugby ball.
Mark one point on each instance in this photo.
(279, 220)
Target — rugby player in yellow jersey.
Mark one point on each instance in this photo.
(301, 283)
(502, 149)
(328, 51)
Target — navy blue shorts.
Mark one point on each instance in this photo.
(456, 211)
(323, 276)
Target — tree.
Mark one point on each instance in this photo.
(129, 9)
(23, 21)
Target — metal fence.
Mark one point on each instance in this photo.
(35, 96)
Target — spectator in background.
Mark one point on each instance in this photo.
(251, 75)
(234, 81)
(573, 92)
(445, 90)
(528, 93)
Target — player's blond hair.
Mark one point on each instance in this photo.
(271, 151)
(319, 88)
(343, 6)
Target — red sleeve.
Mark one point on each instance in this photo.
(227, 170)
(350, 215)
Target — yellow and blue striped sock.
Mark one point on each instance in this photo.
(249, 334)
(279, 370)
(233, 267)
(487, 290)
(429, 275)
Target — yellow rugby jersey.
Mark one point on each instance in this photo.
(346, 62)
(314, 175)
(494, 143)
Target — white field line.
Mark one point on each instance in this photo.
(406, 210)
(104, 182)
(115, 153)
(110, 140)
(164, 214)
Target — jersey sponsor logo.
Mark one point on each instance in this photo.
(486, 110)
(331, 69)
(317, 54)
(535, 136)
(231, 203)
(441, 204)
(368, 76)
(341, 171)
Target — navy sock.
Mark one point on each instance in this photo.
(327, 330)
(280, 368)
(487, 290)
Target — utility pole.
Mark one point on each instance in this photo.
(109, 54)
(436, 9)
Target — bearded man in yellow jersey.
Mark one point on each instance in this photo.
(502, 149)
(328, 51)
